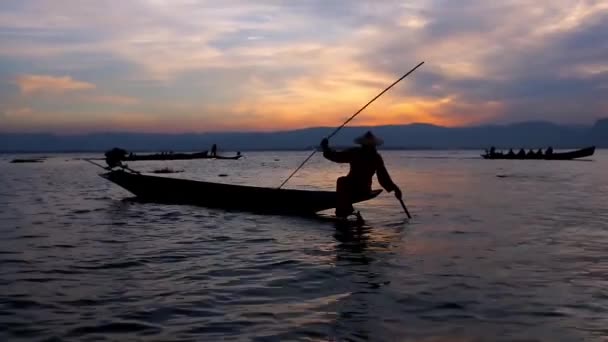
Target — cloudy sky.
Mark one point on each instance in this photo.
(221, 65)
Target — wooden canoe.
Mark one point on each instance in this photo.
(227, 196)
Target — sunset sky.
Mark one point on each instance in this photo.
(75, 66)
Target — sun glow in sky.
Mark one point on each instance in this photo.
(200, 65)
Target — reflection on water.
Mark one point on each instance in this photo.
(497, 250)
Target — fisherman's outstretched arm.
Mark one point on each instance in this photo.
(335, 156)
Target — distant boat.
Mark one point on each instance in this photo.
(582, 153)
(227, 196)
(178, 156)
(167, 170)
(33, 160)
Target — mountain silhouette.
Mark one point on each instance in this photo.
(412, 136)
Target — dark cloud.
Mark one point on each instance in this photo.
(532, 76)
(456, 18)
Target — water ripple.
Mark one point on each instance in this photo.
(520, 258)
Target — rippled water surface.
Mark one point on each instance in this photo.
(497, 250)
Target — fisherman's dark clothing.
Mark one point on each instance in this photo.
(364, 163)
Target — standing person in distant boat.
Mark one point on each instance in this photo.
(365, 161)
(214, 150)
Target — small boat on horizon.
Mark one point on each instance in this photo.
(30, 160)
(581, 153)
(166, 170)
(179, 156)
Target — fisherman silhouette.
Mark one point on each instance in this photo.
(365, 161)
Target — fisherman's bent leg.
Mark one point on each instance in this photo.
(344, 206)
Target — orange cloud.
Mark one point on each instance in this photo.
(452, 110)
(30, 84)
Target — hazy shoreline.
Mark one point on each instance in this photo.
(528, 135)
(259, 151)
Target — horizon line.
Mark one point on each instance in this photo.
(301, 129)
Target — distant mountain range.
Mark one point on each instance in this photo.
(413, 136)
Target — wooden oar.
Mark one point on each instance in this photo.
(347, 121)
(404, 207)
(110, 169)
(90, 160)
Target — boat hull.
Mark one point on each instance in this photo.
(178, 156)
(227, 196)
(582, 153)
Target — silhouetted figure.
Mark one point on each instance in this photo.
(530, 153)
(365, 161)
(549, 151)
(511, 153)
(115, 156)
(214, 150)
(521, 153)
(539, 153)
(492, 150)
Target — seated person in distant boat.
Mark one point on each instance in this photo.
(531, 153)
(492, 150)
(521, 153)
(539, 153)
(214, 150)
(365, 161)
(549, 151)
(511, 153)
(115, 156)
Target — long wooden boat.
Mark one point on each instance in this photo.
(227, 196)
(582, 153)
(178, 156)
(32, 160)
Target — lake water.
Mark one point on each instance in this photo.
(497, 250)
